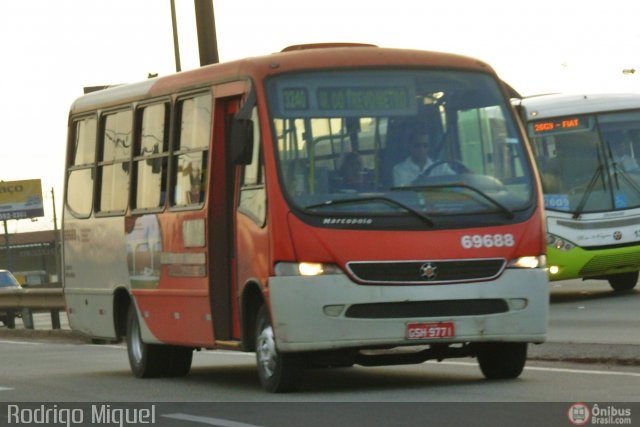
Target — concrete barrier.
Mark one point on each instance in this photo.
(27, 300)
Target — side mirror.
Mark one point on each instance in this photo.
(241, 147)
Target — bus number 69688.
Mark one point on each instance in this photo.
(487, 240)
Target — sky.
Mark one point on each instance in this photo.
(51, 49)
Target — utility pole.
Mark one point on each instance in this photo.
(7, 246)
(56, 238)
(205, 23)
(176, 44)
(6, 243)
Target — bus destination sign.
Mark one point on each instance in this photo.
(556, 125)
(295, 98)
(377, 98)
(348, 100)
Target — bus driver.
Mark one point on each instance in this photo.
(418, 161)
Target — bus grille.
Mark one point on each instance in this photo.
(426, 272)
(603, 263)
(446, 308)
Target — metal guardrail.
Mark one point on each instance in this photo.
(28, 300)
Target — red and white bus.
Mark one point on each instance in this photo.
(252, 206)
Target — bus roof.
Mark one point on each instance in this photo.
(318, 56)
(555, 105)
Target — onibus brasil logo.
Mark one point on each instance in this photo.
(579, 414)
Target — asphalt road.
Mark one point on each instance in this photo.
(592, 355)
(589, 322)
(60, 371)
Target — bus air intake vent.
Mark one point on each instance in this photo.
(426, 272)
(445, 308)
(600, 264)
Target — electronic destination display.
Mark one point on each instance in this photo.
(559, 125)
(345, 95)
(375, 98)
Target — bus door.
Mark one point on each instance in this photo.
(222, 202)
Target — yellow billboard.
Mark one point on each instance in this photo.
(21, 199)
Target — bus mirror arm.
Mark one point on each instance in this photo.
(241, 150)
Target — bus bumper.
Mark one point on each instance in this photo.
(579, 262)
(316, 313)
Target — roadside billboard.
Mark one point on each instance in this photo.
(21, 199)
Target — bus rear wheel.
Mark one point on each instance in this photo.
(502, 360)
(278, 372)
(154, 360)
(623, 281)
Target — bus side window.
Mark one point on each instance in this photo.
(81, 163)
(191, 151)
(113, 167)
(252, 188)
(151, 157)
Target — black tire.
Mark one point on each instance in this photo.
(179, 363)
(278, 372)
(146, 360)
(9, 320)
(502, 360)
(623, 281)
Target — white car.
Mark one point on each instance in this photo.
(8, 283)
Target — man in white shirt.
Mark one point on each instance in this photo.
(623, 159)
(405, 172)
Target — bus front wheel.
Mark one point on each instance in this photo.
(501, 360)
(623, 281)
(278, 372)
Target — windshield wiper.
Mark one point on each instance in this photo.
(618, 171)
(508, 212)
(388, 200)
(587, 192)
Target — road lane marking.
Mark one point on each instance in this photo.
(582, 371)
(228, 353)
(543, 369)
(5, 388)
(208, 420)
(115, 346)
(21, 342)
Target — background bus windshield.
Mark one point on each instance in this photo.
(588, 163)
(397, 143)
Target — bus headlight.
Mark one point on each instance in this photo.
(529, 262)
(305, 269)
(559, 243)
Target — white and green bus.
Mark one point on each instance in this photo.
(587, 149)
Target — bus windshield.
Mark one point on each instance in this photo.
(588, 162)
(420, 143)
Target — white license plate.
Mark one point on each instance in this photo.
(430, 331)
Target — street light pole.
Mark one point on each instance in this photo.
(6, 244)
(206, 26)
(56, 238)
(176, 44)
